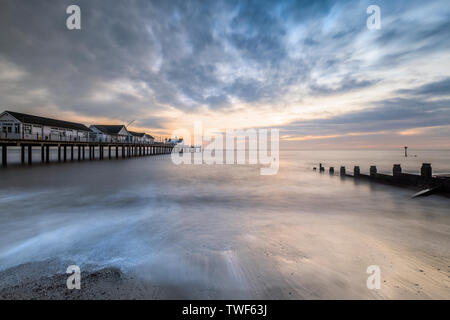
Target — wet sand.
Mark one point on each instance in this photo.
(25, 282)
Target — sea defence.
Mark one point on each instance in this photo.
(425, 182)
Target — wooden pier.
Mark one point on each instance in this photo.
(426, 183)
(115, 150)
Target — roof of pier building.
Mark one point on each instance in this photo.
(30, 119)
(109, 129)
(137, 134)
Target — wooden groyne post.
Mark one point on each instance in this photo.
(425, 181)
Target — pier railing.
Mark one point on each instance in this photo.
(71, 138)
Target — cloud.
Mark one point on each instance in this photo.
(290, 60)
(432, 89)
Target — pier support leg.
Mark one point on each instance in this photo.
(90, 152)
(84, 153)
(117, 152)
(30, 155)
(65, 153)
(109, 152)
(71, 153)
(22, 154)
(4, 155)
(59, 153)
(123, 152)
(42, 154)
(79, 153)
(47, 154)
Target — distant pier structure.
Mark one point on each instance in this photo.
(28, 131)
(425, 183)
(406, 151)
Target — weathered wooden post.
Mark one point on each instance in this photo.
(22, 154)
(356, 171)
(396, 170)
(321, 169)
(373, 170)
(47, 153)
(331, 170)
(342, 171)
(4, 155)
(426, 170)
(30, 155)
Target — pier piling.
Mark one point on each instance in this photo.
(342, 171)
(356, 171)
(42, 154)
(373, 170)
(47, 154)
(30, 155)
(22, 154)
(4, 156)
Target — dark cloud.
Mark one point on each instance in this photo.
(384, 115)
(433, 89)
(140, 56)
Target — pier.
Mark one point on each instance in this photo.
(425, 183)
(26, 131)
(85, 150)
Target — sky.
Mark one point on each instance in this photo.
(312, 69)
